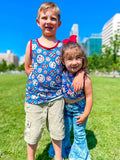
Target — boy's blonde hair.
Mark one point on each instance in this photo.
(44, 6)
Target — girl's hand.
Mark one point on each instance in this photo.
(81, 119)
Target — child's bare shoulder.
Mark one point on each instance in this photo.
(87, 79)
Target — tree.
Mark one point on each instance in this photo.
(93, 62)
(115, 48)
(11, 67)
(106, 59)
(110, 53)
(3, 66)
(21, 67)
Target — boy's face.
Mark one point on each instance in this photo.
(72, 60)
(48, 22)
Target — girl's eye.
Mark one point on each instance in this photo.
(78, 57)
(69, 58)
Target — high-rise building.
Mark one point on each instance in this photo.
(9, 58)
(75, 31)
(110, 28)
(92, 44)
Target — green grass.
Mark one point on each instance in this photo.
(103, 127)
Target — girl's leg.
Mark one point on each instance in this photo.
(66, 143)
(79, 148)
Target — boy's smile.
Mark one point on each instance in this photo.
(48, 22)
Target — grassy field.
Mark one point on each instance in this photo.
(103, 127)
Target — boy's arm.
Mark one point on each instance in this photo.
(78, 81)
(28, 61)
(89, 100)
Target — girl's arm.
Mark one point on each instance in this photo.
(28, 61)
(89, 100)
(78, 81)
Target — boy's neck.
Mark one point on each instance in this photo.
(48, 41)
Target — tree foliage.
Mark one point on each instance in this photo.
(109, 60)
(21, 67)
(4, 67)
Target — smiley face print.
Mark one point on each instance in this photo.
(52, 84)
(41, 78)
(34, 46)
(39, 50)
(52, 64)
(40, 58)
(58, 79)
(58, 61)
(35, 82)
(59, 92)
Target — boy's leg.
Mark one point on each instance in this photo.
(31, 149)
(34, 125)
(55, 125)
(58, 149)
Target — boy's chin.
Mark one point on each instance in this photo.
(49, 35)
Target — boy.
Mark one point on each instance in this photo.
(44, 99)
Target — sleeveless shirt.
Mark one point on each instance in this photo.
(45, 81)
(68, 93)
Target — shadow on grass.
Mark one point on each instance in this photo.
(44, 155)
(91, 140)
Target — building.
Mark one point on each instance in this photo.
(75, 31)
(110, 28)
(9, 58)
(92, 44)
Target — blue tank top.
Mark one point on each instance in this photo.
(68, 93)
(45, 81)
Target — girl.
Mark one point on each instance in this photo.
(78, 105)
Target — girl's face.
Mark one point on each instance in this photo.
(72, 60)
(48, 22)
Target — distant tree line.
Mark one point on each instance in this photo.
(4, 67)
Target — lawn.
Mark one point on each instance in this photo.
(103, 127)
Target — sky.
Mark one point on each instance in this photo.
(18, 20)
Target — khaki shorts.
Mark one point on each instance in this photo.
(37, 116)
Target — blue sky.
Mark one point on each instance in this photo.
(18, 20)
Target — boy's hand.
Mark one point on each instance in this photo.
(81, 119)
(78, 81)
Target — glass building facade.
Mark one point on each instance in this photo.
(92, 44)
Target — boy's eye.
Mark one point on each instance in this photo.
(53, 18)
(44, 17)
